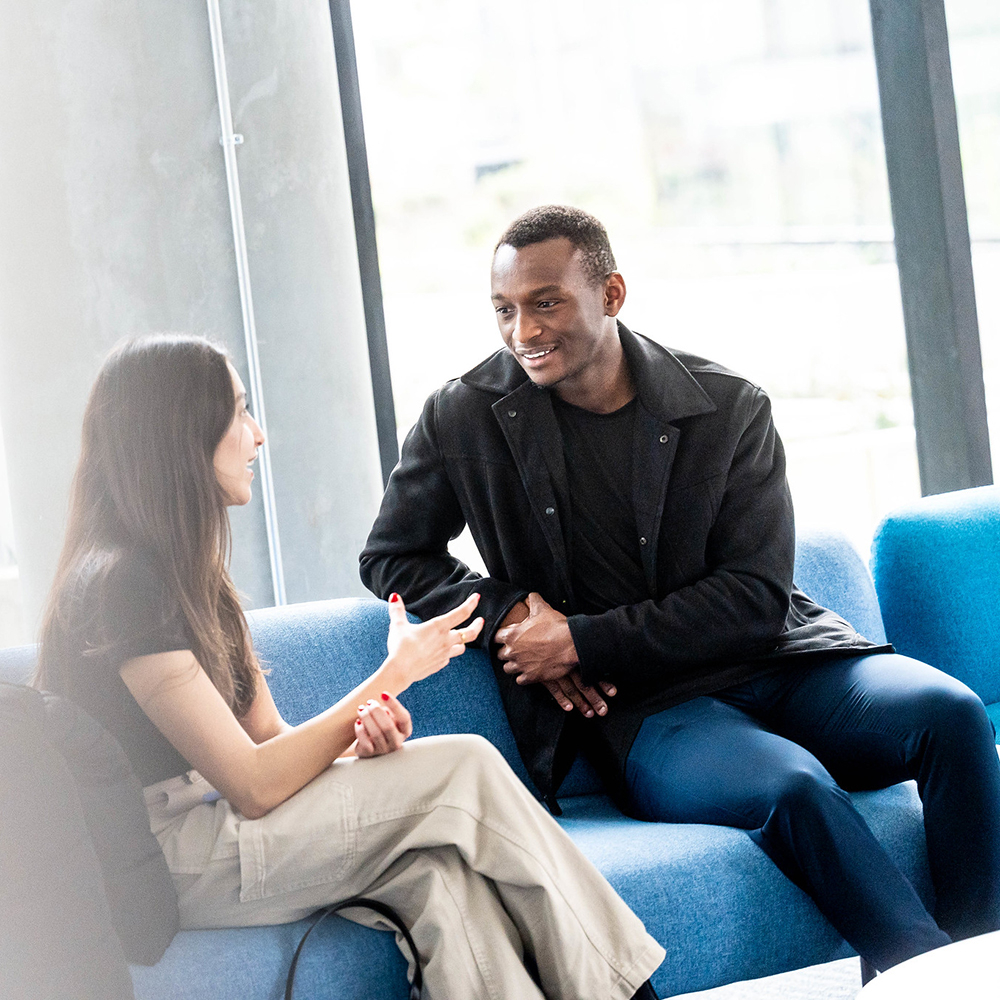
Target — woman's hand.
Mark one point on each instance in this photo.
(417, 651)
(381, 726)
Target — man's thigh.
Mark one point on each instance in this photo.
(865, 718)
(706, 761)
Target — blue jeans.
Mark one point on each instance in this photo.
(776, 757)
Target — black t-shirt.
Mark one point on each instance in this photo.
(120, 608)
(603, 540)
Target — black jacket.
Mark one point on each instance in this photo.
(715, 525)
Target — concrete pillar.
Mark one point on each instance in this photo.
(115, 221)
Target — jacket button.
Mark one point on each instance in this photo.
(664, 438)
(642, 541)
(512, 413)
(550, 510)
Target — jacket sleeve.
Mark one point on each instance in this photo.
(737, 609)
(407, 549)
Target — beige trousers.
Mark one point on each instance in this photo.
(443, 831)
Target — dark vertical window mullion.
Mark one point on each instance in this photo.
(933, 251)
(364, 229)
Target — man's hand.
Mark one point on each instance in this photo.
(538, 649)
(571, 691)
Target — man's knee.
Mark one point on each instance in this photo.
(947, 709)
(809, 811)
(804, 792)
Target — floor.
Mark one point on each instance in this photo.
(834, 981)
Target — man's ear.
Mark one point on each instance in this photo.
(614, 293)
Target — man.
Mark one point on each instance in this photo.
(631, 508)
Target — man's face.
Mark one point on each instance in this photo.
(552, 317)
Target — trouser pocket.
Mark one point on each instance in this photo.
(192, 824)
(166, 800)
(309, 840)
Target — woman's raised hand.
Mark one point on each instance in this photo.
(417, 651)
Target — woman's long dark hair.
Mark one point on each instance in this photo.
(146, 482)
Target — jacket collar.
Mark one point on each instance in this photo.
(666, 388)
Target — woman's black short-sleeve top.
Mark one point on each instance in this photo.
(119, 607)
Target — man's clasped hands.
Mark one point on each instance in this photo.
(536, 645)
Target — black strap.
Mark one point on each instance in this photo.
(381, 908)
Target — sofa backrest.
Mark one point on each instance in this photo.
(317, 652)
(936, 564)
(310, 646)
(832, 573)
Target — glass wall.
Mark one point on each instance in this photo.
(733, 148)
(974, 33)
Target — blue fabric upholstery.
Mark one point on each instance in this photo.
(708, 894)
(936, 564)
(342, 961)
(829, 570)
(712, 898)
(993, 711)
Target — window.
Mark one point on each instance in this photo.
(733, 148)
(974, 36)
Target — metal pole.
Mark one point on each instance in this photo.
(364, 232)
(229, 142)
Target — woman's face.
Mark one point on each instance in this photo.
(238, 449)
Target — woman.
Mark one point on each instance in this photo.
(262, 822)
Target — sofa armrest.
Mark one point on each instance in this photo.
(936, 564)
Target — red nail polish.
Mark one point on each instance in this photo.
(357, 722)
(385, 695)
(393, 597)
(361, 708)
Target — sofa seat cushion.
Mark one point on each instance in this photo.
(342, 961)
(708, 894)
(716, 902)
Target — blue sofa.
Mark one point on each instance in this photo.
(708, 894)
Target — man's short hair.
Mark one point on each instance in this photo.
(550, 222)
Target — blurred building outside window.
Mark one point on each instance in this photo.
(733, 149)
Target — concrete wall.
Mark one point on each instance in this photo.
(114, 220)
